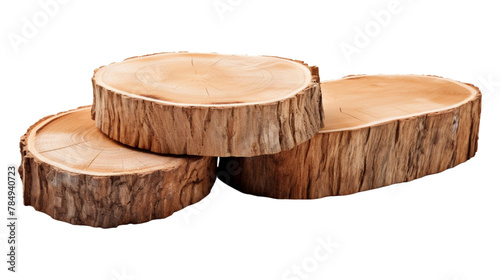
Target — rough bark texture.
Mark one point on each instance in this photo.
(110, 201)
(244, 130)
(350, 161)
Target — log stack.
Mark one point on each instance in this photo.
(148, 145)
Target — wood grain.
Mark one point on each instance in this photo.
(208, 104)
(74, 173)
(379, 130)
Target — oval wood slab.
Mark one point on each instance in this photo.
(208, 104)
(74, 173)
(379, 130)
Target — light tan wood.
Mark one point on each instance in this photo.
(378, 99)
(74, 173)
(208, 104)
(379, 130)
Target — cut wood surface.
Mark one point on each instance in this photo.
(74, 173)
(379, 130)
(208, 104)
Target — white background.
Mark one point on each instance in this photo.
(443, 226)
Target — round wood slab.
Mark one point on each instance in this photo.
(208, 104)
(379, 130)
(74, 173)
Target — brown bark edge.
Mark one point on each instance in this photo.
(110, 201)
(210, 131)
(350, 161)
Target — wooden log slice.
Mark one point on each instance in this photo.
(208, 104)
(379, 130)
(74, 173)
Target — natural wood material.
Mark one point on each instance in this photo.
(379, 130)
(208, 104)
(74, 173)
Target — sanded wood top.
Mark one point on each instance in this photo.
(72, 142)
(360, 101)
(205, 79)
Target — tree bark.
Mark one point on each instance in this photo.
(379, 130)
(208, 104)
(74, 173)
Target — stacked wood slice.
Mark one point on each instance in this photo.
(208, 104)
(379, 130)
(74, 173)
(148, 145)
